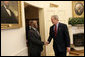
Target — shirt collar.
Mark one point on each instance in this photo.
(5, 6)
(34, 28)
(57, 24)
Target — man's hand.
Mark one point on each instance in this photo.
(68, 49)
(46, 43)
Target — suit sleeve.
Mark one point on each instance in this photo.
(67, 37)
(50, 36)
(34, 40)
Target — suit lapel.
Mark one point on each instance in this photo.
(58, 28)
(36, 32)
(53, 29)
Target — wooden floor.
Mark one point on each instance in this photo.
(77, 53)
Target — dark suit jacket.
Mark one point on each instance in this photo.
(34, 41)
(6, 18)
(62, 40)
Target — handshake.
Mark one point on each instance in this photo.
(46, 43)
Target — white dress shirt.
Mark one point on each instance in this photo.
(8, 11)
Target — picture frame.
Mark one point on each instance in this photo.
(78, 9)
(11, 18)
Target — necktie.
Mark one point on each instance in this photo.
(55, 30)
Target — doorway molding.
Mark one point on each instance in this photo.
(42, 24)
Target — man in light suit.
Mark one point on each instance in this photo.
(7, 16)
(60, 35)
(35, 45)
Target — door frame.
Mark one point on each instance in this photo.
(42, 26)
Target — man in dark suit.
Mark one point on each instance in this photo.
(35, 44)
(7, 16)
(61, 40)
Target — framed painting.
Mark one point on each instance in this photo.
(78, 8)
(11, 14)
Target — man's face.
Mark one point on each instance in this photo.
(54, 21)
(6, 2)
(35, 24)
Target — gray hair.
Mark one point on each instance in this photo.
(56, 17)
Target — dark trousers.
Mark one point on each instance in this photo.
(57, 53)
(35, 54)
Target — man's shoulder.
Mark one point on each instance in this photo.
(52, 26)
(62, 24)
(2, 7)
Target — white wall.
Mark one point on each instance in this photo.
(13, 41)
(10, 45)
